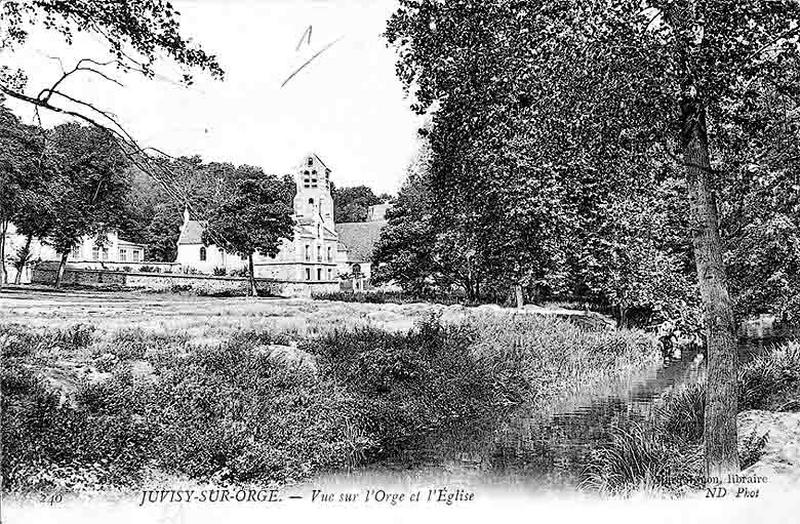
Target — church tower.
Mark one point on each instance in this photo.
(313, 200)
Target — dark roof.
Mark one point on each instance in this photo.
(360, 238)
(192, 233)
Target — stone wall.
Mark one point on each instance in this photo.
(79, 277)
(200, 284)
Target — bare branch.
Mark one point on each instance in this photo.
(786, 34)
(129, 147)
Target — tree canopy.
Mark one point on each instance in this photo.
(580, 146)
(251, 216)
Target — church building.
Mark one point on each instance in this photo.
(313, 253)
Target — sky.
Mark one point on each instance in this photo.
(347, 105)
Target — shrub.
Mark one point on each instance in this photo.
(407, 384)
(683, 411)
(47, 445)
(771, 381)
(133, 343)
(751, 449)
(220, 271)
(640, 458)
(17, 341)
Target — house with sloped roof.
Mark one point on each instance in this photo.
(357, 242)
(104, 251)
(311, 255)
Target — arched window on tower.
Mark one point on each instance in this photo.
(311, 201)
(202, 254)
(310, 161)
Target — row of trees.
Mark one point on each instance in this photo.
(637, 153)
(153, 217)
(59, 185)
(74, 181)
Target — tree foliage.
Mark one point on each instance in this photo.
(560, 169)
(251, 217)
(22, 176)
(591, 106)
(351, 204)
(87, 195)
(137, 32)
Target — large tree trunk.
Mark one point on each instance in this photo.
(3, 231)
(518, 296)
(62, 266)
(721, 406)
(25, 255)
(253, 292)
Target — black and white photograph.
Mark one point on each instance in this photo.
(399, 261)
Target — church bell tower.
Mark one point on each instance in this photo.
(313, 199)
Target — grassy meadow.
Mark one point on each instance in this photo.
(109, 390)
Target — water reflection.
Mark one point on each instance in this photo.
(543, 451)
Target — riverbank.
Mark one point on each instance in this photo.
(241, 391)
(661, 451)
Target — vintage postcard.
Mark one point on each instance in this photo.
(399, 261)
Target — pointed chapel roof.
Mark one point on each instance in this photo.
(192, 232)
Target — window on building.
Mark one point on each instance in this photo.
(319, 253)
(123, 254)
(330, 274)
(310, 200)
(203, 254)
(319, 273)
(310, 179)
(104, 253)
(356, 269)
(75, 253)
(137, 255)
(329, 254)
(95, 252)
(310, 161)
(308, 273)
(308, 252)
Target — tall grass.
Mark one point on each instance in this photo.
(228, 411)
(772, 381)
(390, 297)
(554, 357)
(650, 455)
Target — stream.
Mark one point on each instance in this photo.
(526, 450)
